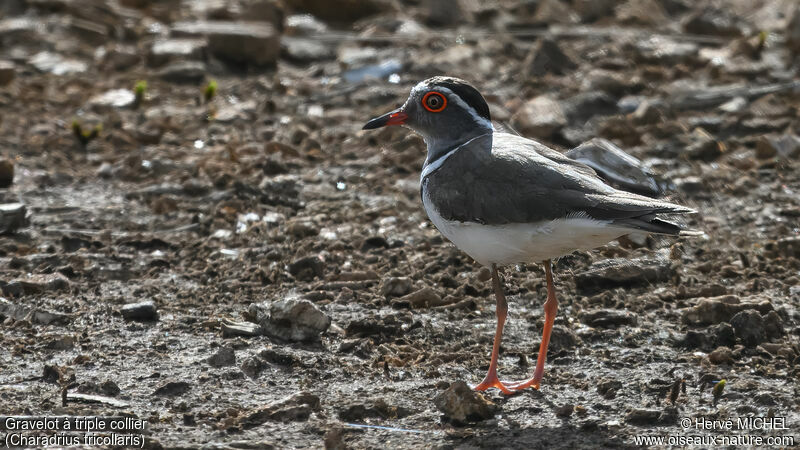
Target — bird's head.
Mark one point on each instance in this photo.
(445, 111)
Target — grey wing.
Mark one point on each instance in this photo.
(508, 179)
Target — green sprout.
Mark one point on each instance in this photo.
(210, 91)
(85, 136)
(139, 91)
(718, 390)
(762, 40)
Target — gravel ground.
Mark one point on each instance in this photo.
(225, 255)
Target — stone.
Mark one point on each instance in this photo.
(35, 284)
(724, 336)
(446, 12)
(607, 318)
(224, 356)
(295, 408)
(139, 312)
(562, 338)
(793, 30)
(396, 286)
(540, 117)
(665, 51)
(6, 172)
(115, 98)
(172, 389)
(716, 22)
(461, 405)
(713, 310)
(296, 320)
(721, 355)
(582, 107)
(640, 416)
(307, 268)
(425, 297)
(304, 50)
(256, 43)
(122, 57)
(641, 12)
(770, 146)
(547, 57)
(189, 72)
(342, 11)
(773, 325)
(624, 272)
(57, 64)
(7, 72)
(748, 325)
(168, 50)
(608, 388)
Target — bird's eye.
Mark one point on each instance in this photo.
(434, 101)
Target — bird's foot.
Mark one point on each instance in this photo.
(517, 386)
(493, 382)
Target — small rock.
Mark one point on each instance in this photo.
(643, 416)
(57, 64)
(547, 57)
(446, 12)
(793, 30)
(6, 173)
(296, 320)
(749, 327)
(641, 12)
(773, 325)
(307, 268)
(608, 388)
(300, 229)
(304, 50)
(296, 408)
(172, 389)
(168, 50)
(189, 72)
(607, 318)
(342, 11)
(724, 335)
(564, 411)
(716, 22)
(122, 57)
(256, 43)
(223, 357)
(765, 399)
(540, 117)
(786, 146)
(721, 355)
(425, 297)
(396, 286)
(34, 284)
(562, 338)
(7, 72)
(115, 98)
(713, 310)
(624, 272)
(665, 51)
(139, 312)
(461, 405)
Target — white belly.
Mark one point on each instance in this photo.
(524, 242)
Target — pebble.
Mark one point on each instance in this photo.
(7, 72)
(713, 310)
(547, 57)
(139, 312)
(172, 389)
(624, 272)
(167, 50)
(189, 72)
(296, 320)
(115, 98)
(643, 416)
(770, 146)
(6, 172)
(607, 318)
(540, 117)
(423, 298)
(721, 355)
(57, 64)
(224, 356)
(608, 388)
(396, 286)
(297, 407)
(461, 405)
(256, 43)
(307, 268)
(748, 325)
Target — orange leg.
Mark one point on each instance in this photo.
(550, 308)
(491, 379)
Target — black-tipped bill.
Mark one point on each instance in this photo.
(396, 117)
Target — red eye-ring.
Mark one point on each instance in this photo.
(434, 101)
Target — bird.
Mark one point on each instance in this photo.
(505, 199)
